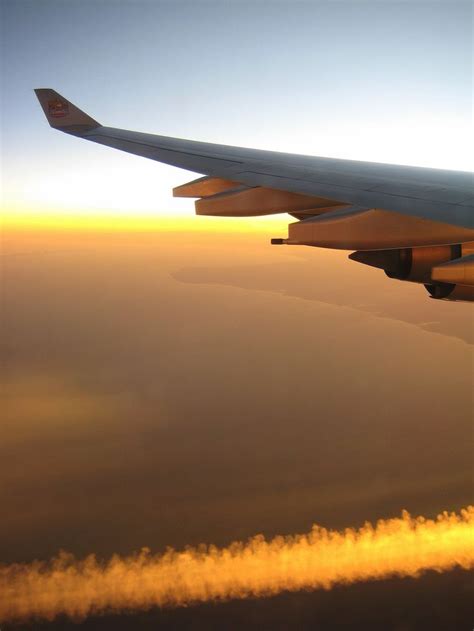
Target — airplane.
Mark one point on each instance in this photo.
(414, 223)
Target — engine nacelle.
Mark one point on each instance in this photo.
(411, 264)
(447, 291)
(416, 265)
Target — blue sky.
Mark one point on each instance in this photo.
(370, 80)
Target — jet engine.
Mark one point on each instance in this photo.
(445, 270)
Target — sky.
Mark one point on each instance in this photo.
(380, 81)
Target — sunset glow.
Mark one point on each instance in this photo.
(121, 221)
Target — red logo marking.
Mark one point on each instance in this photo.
(57, 108)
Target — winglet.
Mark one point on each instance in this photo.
(62, 114)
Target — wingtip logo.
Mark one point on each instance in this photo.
(58, 108)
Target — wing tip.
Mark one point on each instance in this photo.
(62, 114)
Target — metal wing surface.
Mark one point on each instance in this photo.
(435, 194)
(344, 204)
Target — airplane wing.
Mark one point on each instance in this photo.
(343, 204)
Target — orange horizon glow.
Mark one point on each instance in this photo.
(321, 559)
(16, 220)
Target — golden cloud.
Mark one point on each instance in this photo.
(317, 560)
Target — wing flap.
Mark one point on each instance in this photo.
(205, 187)
(252, 202)
(356, 228)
